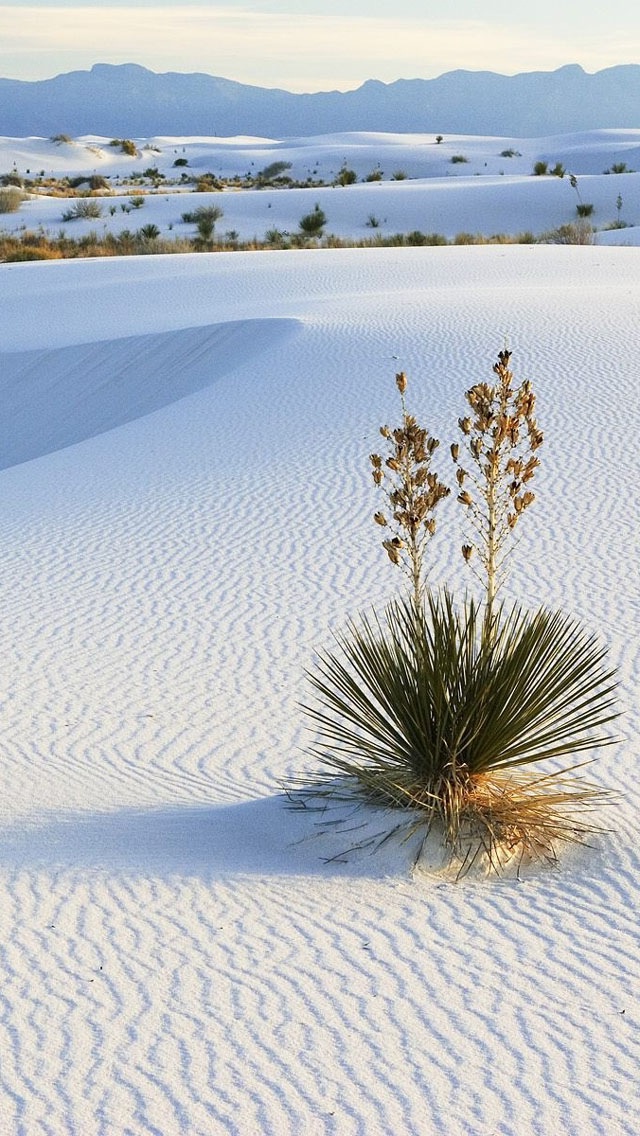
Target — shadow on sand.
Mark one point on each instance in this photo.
(264, 837)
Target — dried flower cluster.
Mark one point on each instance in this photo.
(413, 492)
(501, 438)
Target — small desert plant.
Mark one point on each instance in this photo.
(437, 709)
(10, 200)
(574, 233)
(271, 172)
(312, 224)
(204, 218)
(439, 139)
(345, 176)
(540, 168)
(399, 175)
(149, 232)
(510, 153)
(374, 175)
(61, 139)
(558, 170)
(126, 145)
(373, 222)
(87, 208)
(618, 168)
(584, 209)
(458, 159)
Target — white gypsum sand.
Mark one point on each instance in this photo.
(186, 515)
(485, 194)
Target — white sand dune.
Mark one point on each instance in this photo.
(186, 515)
(463, 185)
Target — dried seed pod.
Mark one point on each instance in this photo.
(401, 382)
(455, 450)
(467, 552)
(380, 519)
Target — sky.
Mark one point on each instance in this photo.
(314, 45)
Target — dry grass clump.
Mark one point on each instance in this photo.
(443, 709)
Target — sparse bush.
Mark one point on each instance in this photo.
(126, 145)
(540, 168)
(439, 139)
(346, 176)
(61, 139)
(510, 153)
(618, 168)
(574, 233)
(273, 171)
(10, 200)
(204, 218)
(416, 238)
(458, 159)
(87, 208)
(583, 209)
(312, 224)
(374, 175)
(149, 232)
(136, 201)
(208, 183)
(399, 175)
(437, 709)
(373, 222)
(558, 170)
(181, 162)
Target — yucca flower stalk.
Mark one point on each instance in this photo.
(413, 493)
(501, 440)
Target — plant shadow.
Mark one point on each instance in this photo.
(263, 837)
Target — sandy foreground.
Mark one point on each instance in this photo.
(186, 514)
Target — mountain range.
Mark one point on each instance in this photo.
(129, 100)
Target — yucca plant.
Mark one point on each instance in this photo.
(442, 709)
(423, 711)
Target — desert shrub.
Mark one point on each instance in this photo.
(558, 170)
(583, 209)
(312, 224)
(10, 200)
(439, 139)
(96, 182)
(126, 145)
(574, 233)
(87, 208)
(416, 238)
(510, 153)
(181, 162)
(399, 175)
(149, 232)
(61, 139)
(136, 201)
(13, 178)
(618, 168)
(458, 159)
(271, 172)
(204, 218)
(208, 183)
(346, 176)
(540, 168)
(374, 175)
(438, 709)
